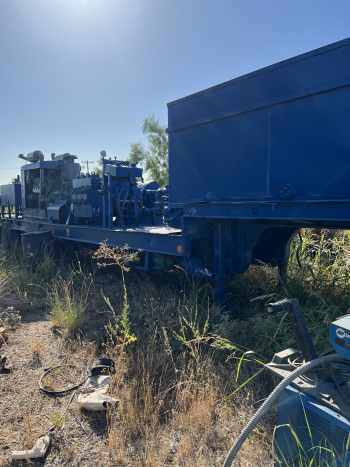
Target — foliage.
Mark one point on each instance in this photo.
(120, 330)
(58, 420)
(194, 333)
(321, 454)
(322, 286)
(98, 170)
(67, 304)
(33, 280)
(182, 378)
(37, 345)
(154, 157)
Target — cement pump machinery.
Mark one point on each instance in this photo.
(56, 190)
(251, 162)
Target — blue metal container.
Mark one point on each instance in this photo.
(254, 159)
(340, 336)
(306, 427)
(277, 134)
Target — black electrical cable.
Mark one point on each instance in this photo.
(170, 218)
(48, 391)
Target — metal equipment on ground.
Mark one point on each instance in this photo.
(313, 420)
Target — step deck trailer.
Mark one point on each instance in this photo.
(251, 161)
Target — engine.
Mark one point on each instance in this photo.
(47, 182)
(56, 189)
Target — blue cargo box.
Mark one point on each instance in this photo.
(284, 125)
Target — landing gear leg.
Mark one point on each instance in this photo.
(220, 261)
(282, 271)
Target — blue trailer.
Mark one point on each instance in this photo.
(251, 161)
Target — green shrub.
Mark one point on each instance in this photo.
(67, 304)
(322, 286)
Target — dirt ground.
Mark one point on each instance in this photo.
(167, 415)
(85, 439)
(26, 412)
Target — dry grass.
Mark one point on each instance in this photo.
(68, 453)
(171, 387)
(37, 345)
(67, 303)
(173, 409)
(61, 378)
(26, 411)
(178, 416)
(32, 431)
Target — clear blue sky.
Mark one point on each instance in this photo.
(80, 76)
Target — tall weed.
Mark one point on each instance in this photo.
(306, 446)
(322, 286)
(67, 304)
(118, 331)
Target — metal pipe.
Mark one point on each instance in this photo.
(23, 188)
(41, 186)
(103, 194)
(110, 205)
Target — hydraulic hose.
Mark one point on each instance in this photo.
(271, 399)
